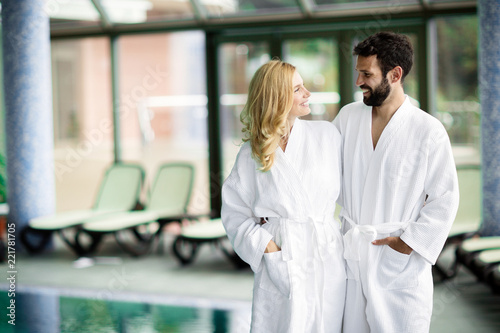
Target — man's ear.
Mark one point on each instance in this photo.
(396, 74)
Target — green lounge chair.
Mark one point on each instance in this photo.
(470, 249)
(485, 263)
(119, 191)
(480, 255)
(168, 200)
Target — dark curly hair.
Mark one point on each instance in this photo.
(391, 49)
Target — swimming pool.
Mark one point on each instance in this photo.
(49, 312)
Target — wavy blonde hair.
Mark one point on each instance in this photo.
(264, 117)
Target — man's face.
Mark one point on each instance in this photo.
(375, 86)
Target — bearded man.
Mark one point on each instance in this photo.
(399, 194)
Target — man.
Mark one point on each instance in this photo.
(400, 194)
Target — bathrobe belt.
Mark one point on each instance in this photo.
(365, 232)
(323, 247)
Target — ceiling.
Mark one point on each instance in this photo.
(79, 17)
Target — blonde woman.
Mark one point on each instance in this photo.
(278, 207)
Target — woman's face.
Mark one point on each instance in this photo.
(301, 96)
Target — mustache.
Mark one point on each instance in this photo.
(365, 87)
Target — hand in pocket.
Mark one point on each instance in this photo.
(278, 272)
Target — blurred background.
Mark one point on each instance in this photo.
(162, 48)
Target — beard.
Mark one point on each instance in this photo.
(379, 95)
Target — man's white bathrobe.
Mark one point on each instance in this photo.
(302, 287)
(407, 186)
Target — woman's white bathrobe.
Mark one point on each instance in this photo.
(302, 287)
(407, 186)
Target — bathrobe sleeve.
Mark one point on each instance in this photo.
(339, 143)
(428, 234)
(248, 238)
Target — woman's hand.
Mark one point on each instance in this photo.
(271, 247)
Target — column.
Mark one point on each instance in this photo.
(40, 312)
(489, 79)
(28, 111)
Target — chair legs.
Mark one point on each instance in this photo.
(28, 239)
(233, 257)
(85, 248)
(185, 250)
(450, 272)
(143, 242)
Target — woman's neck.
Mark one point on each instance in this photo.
(284, 140)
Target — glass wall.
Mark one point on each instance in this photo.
(457, 96)
(458, 108)
(163, 105)
(237, 63)
(83, 126)
(316, 60)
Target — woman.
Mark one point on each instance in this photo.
(278, 207)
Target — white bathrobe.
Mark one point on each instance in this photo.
(406, 187)
(302, 287)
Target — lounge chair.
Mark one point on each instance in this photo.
(470, 249)
(481, 256)
(119, 191)
(468, 220)
(485, 263)
(168, 200)
(186, 245)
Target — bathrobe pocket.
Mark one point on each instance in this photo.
(276, 277)
(396, 270)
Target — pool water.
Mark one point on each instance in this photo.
(49, 313)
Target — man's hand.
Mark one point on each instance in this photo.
(394, 243)
(271, 247)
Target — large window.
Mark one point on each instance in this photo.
(457, 94)
(458, 108)
(83, 126)
(316, 60)
(163, 105)
(237, 62)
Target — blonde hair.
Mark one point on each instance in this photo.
(264, 117)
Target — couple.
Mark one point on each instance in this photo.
(386, 162)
